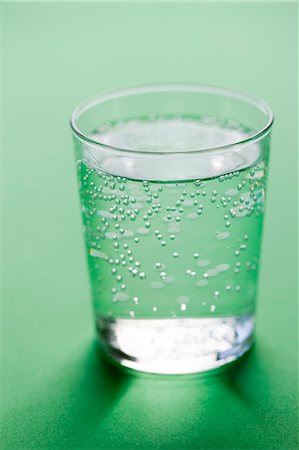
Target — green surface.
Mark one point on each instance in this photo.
(57, 391)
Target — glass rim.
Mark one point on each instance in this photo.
(175, 87)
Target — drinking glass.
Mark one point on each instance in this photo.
(172, 183)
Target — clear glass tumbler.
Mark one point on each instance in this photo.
(172, 185)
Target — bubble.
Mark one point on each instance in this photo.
(202, 283)
(223, 235)
(143, 231)
(192, 216)
(136, 300)
(163, 274)
(231, 192)
(169, 280)
(120, 297)
(212, 308)
(134, 272)
(128, 233)
(195, 255)
(123, 286)
(227, 224)
(172, 237)
(97, 254)
(155, 308)
(222, 267)
(113, 290)
(132, 314)
(136, 240)
(237, 253)
(205, 275)
(119, 277)
(216, 294)
(190, 273)
(212, 272)
(228, 287)
(243, 246)
(142, 275)
(113, 270)
(163, 243)
(238, 288)
(158, 265)
(245, 237)
(203, 263)
(183, 299)
(157, 285)
(183, 307)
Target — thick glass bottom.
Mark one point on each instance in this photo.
(175, 346)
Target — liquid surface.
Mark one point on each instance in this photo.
(172, 135)
(183, 248)
(188, 140)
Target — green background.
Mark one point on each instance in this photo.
(57, 391)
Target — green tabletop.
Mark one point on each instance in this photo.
(58, 392)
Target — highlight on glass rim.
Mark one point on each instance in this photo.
(172, 182)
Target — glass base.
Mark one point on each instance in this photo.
(175, 346)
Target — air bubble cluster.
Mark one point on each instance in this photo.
(150, 241)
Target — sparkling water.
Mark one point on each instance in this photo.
(173, 258)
